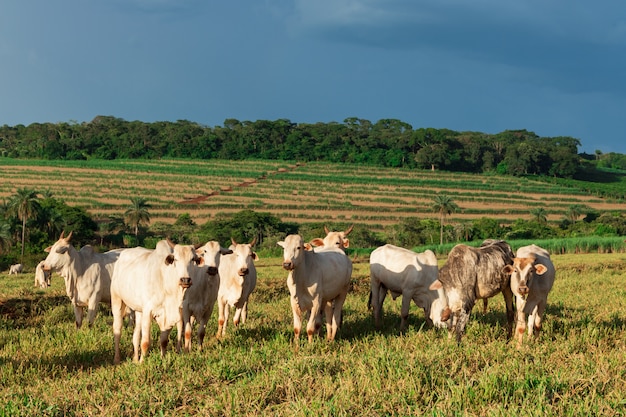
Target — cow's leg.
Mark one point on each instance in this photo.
(315, 319)
(226, 315)
(163, 340)
(201, 332)
(92, 309)
(510, 309)
(404, 311)
(117, 308)
(297, 319)
(78, 316)
(520, 326)
(237, 315)
(461, 322)
(330, 326)
(485, 305)
(137, 336)
(244, 313)
(220, 318)
(538, 318)
(337, 315)
(375, 299)
(146, 318)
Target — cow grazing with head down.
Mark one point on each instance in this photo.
(317, 280)
(152, 283)
(237, 281)
(475, 273)
(404, 272)
(200, 298)
(87, 275)
(532, 276)
(42, 277)
(16, 269)
(337, 240)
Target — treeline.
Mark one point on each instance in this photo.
(387, 142)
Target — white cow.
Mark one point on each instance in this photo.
(16, 269)
(200, 298)
(237, 281)
(338, 240)
(42, 277)
(87, 275)
(152, 283)
(317, 280)
(404, 272)
(532, 277)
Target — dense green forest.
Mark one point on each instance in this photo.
(387, 142)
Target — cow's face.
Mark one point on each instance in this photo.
(211, 253)
(293, 248)
(58, 254)
(523, 272)
(180, 263)
(245, 257)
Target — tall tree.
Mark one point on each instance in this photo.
(540, 215)
(24, 204)
(5, 235)
(444, 205)
(137, 213)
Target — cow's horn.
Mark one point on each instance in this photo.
(347, 232)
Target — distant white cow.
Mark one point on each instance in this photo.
(152, 283)
(200, 298)
(337, 240)
(404, 272)
(42, 277)
(532, 277)
(16, 269)
(87, 275)
(317, 280)
(237, 281)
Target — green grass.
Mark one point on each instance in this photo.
(576, 368)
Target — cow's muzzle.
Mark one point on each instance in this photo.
(185, 282)
(212, 270)
(288, 265)
(243, 272)
(523, 290)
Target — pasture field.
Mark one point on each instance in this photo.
(577, 367)
(312, 192)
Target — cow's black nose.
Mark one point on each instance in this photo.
(185, 282)
(212, 270)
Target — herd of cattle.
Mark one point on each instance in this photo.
(178, 285)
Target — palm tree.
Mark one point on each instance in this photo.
(5, 235)
(24, 204)
(574, 212)
(540, 215)
(137, 213)
(444, 205)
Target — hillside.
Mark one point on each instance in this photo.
(311, 192)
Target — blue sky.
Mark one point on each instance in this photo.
(557, 68)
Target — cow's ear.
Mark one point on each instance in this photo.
(540, 269)
(47, 250)
(169, 259)
(436, 285)
(346, 243)
(508, 269)
(317, 242)
(254, 256)
(308, 246)
(281, 244)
